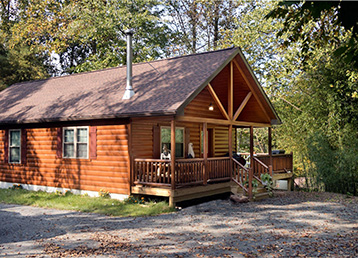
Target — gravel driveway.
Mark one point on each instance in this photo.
(290, 224)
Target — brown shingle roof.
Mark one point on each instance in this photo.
(161, 87)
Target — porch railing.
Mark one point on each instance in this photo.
(189, 171)
(154, 172)
(218, 169)
(280, 162)
(157, 172)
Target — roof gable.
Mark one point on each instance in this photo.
(238, 97)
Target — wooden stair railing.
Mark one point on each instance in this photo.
(240, 174)
(259, 168)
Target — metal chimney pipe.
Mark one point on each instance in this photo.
(129, 89)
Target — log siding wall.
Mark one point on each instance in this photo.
(143, 137)
(108, 171)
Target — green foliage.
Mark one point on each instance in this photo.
(81, 35)
(16, 186)
(317, 24)
(82, 203)
(134, 200)
(104, 194)
(268, 183)
(255, 185)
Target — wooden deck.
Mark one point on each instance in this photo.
(184, 194)
(200, 177)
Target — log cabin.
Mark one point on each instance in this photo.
(85, 132)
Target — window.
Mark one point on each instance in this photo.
(14, 146)
(75, 142)
(179, 140)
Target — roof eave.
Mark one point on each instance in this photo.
(87, 118)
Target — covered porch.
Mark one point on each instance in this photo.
(182, 179)
(229, 99)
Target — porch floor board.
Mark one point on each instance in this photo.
(279, 176)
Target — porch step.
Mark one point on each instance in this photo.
(261, 190)
(261, 196)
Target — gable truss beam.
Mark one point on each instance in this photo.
(217, 101)
(242, 105)
(251, 88)
(230, 93)
(192, 119)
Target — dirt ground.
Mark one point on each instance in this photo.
(293, 224)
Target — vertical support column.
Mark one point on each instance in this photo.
(270, 149)
(230, 147)
(290, 181)
(251, 146)
(251, 171)
(172, 153)
(231, 92)
(130, 161)
(205, 170)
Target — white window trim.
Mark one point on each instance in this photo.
(75, 141)
(9, 149)
(168, 127)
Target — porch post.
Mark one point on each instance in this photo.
(251, 172)
(230, 141)
(270, 149)
(172, 153)
(230, 149)
(205, 170)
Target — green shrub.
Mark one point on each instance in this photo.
(16, 186)
(104, 194)
(134, 200)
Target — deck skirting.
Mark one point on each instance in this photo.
(184, 194)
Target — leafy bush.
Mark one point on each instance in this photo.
(268, 183)
(134, 200)
(335, 165)
(16, 186)
(104, 194)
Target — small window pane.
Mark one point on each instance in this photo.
(15, 155)
(15, 138)
(179, 135)
(179, 150)
(82, 135)
(69, 151)
(69, 135)
(81, 150)
(165, 135)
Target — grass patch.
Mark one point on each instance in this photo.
(82, 203)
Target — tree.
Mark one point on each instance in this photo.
(323, 119)
(199, 23)
(89, 35)
(323, 20)
(18, 63)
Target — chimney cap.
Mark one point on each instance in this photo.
(129, 32)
